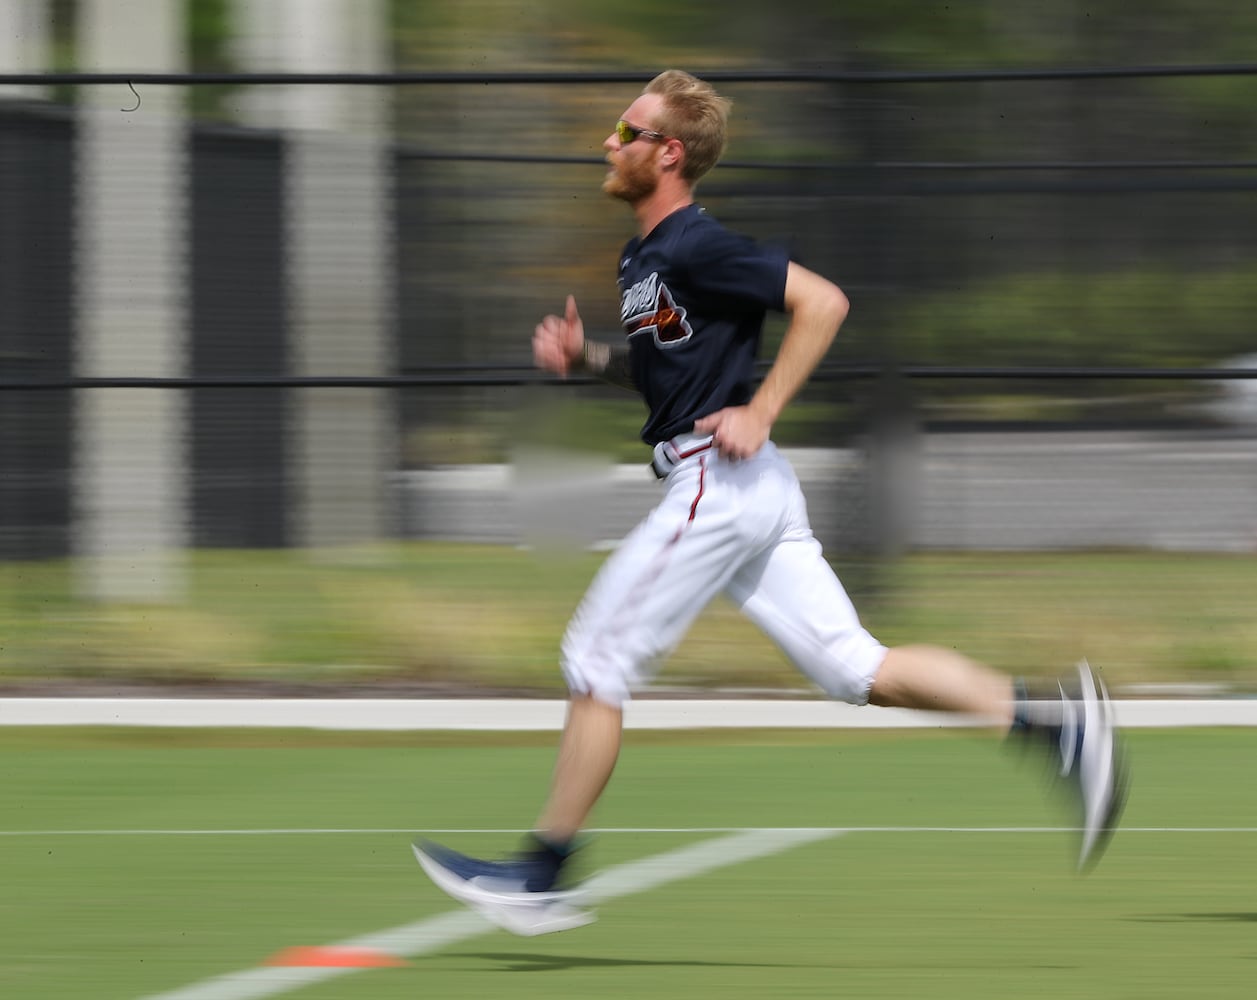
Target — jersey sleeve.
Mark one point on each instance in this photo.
(725, 265)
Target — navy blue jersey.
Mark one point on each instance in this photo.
(693, 296)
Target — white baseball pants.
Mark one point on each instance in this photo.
(737, 527)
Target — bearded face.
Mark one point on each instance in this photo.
(632, 176)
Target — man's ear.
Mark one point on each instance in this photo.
(673, 153)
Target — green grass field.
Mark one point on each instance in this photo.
(135, 863)
(490, 617)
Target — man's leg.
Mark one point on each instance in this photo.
(587, 755)
(940, 680)
(526, 895)
(791, 592)
(1077, 730)
(638, 607)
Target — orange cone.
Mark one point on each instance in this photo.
(326, 956)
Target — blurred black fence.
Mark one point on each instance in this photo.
(903, 187)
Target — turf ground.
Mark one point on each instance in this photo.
(490, 617)
(145, 863)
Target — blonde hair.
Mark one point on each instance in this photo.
(694, 113)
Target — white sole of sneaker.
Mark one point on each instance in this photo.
(1101, 781)
(525, 914)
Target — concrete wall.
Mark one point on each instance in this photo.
(1015, 491)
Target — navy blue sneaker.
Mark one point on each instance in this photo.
(1092, 756)
(521, 894)
(1080, 730)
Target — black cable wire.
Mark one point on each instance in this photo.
(506, 375)
(629, 76)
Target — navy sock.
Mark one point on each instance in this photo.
(551, 855)
(1043, 720)
(1021, 708)
(561, 849)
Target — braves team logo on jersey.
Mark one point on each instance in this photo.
(648, 307)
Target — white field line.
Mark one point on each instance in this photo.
(435, 933)
(819, 831)
(530, 714)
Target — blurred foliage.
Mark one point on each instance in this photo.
(477, 617)
(1077, 280)
(210, 29)
(64, 39)
(1159, 278)
(904, 34)
(1147, 318)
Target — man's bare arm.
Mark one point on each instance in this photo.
(817, 309)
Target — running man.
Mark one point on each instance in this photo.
(732, 519)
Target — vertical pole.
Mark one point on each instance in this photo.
(131, 219)
(338, 207)
(25, 44)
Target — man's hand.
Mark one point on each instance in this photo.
(737, 431)
(559, 341)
